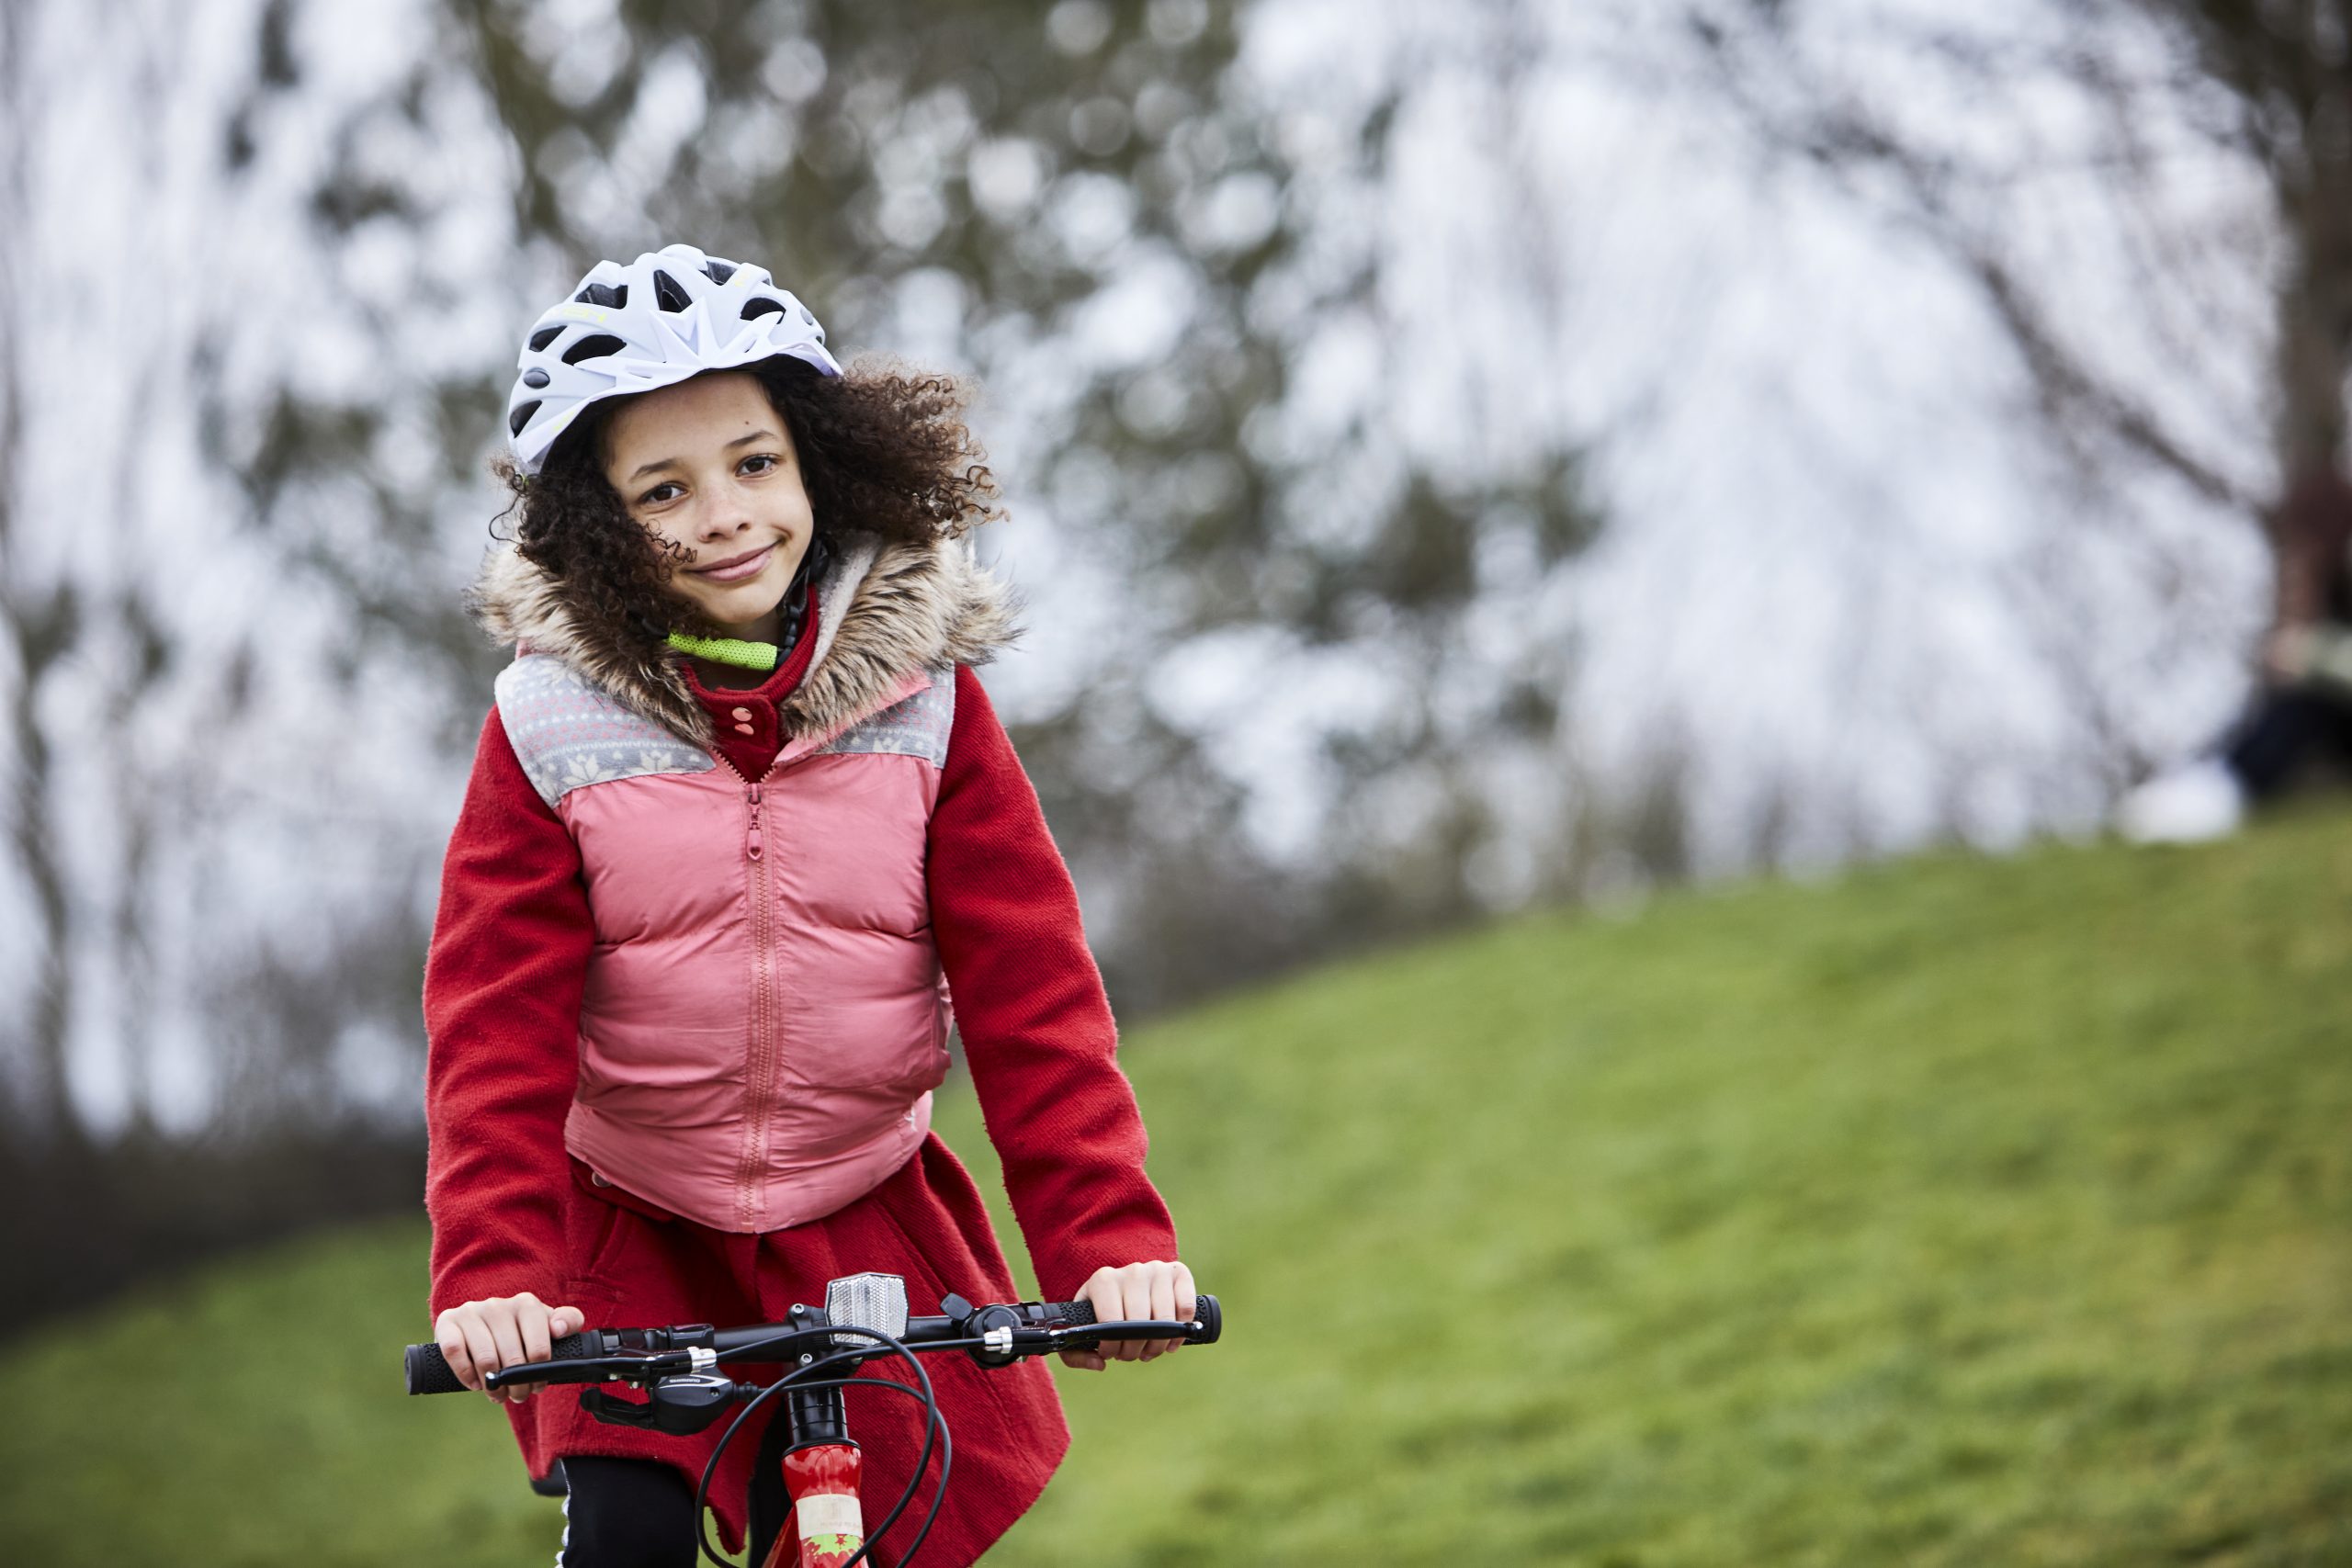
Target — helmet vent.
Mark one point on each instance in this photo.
(593, 345)
(545, 336)
(611, 296)
(718, 271)
(668, 294)
(761, 308)
(520, 417)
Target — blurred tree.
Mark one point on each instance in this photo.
(1297, 517)
(36, 617)
(1085, 206)
(207, 903)
(201, 843)
(239, 689)
(2139, 90)
(2286, 67)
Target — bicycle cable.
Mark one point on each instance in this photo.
(936, 1430)
(947, 1447)
(935, 1425)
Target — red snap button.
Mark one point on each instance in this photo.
(598, 1178)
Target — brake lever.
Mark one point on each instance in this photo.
(682, 1405)
(623, 1369)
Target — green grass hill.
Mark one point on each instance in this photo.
(1955, 1211)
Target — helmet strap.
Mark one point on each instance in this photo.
(763, 657)
(759, 655)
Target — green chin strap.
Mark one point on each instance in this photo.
(763, 657)
(759, 655)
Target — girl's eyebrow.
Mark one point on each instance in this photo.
(645, 468)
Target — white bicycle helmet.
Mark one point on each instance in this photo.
(669, 314)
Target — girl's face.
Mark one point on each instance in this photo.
(708, 464)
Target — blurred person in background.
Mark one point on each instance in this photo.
(740, 818)
(2296, 731)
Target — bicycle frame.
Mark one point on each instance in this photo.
(828, 1519)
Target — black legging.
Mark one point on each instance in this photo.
(627, 1513)
(639, 1513)
(2286, 730)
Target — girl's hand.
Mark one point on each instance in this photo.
(482, 1336)
(1138, 1291)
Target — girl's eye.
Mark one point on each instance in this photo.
(766, 460)
(657, 494)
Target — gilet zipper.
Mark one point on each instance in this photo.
(761, 1067)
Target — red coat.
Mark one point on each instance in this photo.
(512, 1212)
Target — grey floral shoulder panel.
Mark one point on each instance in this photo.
(567, 732)
(916, 726)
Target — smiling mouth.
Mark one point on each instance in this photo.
(736, 566)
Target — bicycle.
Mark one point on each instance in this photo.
(865, 1316)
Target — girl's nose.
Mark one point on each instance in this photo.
(722, 520)
(729, 512)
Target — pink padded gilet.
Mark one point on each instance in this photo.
(764, 1017)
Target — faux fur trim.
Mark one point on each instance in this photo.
(881, 614)
(515, 602)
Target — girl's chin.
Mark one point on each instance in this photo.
(734, 604)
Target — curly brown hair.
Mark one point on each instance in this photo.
(883, 451)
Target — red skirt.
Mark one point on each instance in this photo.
(631, 1265)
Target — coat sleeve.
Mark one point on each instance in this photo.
(503, 982)
(1035, 1022)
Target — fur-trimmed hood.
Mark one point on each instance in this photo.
(882, 610)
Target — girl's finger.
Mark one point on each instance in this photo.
(532, 1320)
(1135, 1292)
(1188, 1301)
(510, 1342)
(452, 1340)
(1084, 1360)
(1163, 1308)
(479, 1346)
(566, 1320)
(1101, 1292)
(1110, 1309)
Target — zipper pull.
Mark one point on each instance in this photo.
(752, 848)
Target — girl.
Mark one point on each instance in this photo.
(741, 824)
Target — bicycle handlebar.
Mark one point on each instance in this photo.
(995, 1333)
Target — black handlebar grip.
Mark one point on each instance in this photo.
(427, 1370)
(1078, 1315)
